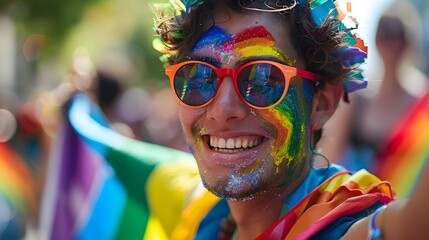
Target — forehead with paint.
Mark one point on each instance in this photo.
(252, 37)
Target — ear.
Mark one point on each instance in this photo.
(325, 104)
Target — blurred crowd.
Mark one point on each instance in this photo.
(378, 119)
(28, 130)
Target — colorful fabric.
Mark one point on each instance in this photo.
(323, 207)
(102, 185)
(407, 149)
(329, 210)
(17, 194)
(16, 180)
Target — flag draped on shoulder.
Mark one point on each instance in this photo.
(330, 209)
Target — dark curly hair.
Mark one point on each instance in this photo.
(318, 46)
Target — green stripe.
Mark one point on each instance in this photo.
(134, 221)
(133, 163)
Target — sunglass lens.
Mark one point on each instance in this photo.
(195, 84)
(261, 84)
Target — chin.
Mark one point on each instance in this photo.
(238, 187)
(221, 191)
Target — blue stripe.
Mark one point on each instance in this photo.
(107, 213)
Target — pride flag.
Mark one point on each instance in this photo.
(17, 194)
(16, 179)
(102, 185)
(407, 150)
(330, 209)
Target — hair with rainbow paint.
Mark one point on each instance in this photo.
(326, 45)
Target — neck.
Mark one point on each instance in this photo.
(390, 82)
(254, 216)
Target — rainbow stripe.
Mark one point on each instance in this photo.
(323, 207)
(102, 185)
(16, 180)
(328, 211)
(254, 41)
(402, 159)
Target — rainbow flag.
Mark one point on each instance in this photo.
(407, 150)
(330, 209)
(324, 206)
(102, 185)
(17, 191)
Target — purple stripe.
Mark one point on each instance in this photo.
(78, 169)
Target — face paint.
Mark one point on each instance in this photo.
(290, 120)
(238, 181)
(254, 41)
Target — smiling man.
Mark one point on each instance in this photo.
(256, 81)
(251, 101)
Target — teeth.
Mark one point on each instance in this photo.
(245, 143)
(238, 143)
(221, 143)
(231, 145)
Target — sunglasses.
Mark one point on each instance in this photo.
(261, 84)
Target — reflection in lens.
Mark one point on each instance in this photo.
(262, 84)
(195, 84)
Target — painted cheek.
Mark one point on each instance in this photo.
(196, 134)
(290, 119)
(191, 128)
(281, 119)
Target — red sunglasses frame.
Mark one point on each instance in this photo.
(287, 71)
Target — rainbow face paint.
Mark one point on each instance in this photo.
(291, 118)
(252, 42)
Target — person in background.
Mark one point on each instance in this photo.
(388, 132)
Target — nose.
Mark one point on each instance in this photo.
(227, 105)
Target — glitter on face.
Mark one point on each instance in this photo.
(285, 133)
(254, 41)
(238, 180)
(290, 119)
(252, 111)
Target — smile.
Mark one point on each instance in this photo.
(234, 145)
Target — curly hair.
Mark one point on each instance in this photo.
(318, 46)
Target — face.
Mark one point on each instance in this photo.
(243, 152)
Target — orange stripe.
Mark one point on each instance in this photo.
(407, 151)
(15, 178)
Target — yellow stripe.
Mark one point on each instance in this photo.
(362, 178)
(191, 217)
(154, 230)
(176, 180)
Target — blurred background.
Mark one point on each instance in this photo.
(48, 48)
(40, 39)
